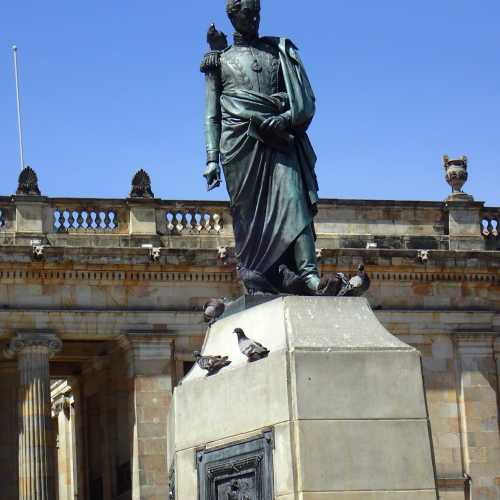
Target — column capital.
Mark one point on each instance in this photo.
(475, 344)
(33, 341)
(147, 345)
(61, 404)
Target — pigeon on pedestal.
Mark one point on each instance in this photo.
(251, 349)
(211, 364)
(213, 310)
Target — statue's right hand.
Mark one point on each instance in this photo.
(212, 175)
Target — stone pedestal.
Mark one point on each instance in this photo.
(36, 471)
(465, 224)
(342, 398)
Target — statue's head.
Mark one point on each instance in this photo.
(245, 16)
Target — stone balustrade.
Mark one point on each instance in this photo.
(195, 218)
(490, 228)
(490, 223)
(361, 224)
(6, 216)
(85, 219)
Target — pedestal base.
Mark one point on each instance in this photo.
(342, 397)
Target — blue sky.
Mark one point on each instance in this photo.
(110, 87)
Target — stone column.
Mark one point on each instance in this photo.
(36, 472)
(478, 392)
(150, 369)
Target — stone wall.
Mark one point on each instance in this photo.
(130, 317)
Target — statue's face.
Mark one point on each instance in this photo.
(246, 21)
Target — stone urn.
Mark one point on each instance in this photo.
(456, 176)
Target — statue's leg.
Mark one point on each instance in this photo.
(304, 251)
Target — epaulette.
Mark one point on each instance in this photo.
(210, 62)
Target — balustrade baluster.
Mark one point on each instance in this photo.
(217, 223)
(88, 219)
(198, 219)
(188, 217)
(107, 219)
(179, 226)
(170, 219)
(79, 220)
(208, 223)
(71, 219)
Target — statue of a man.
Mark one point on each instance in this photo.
(259, 105)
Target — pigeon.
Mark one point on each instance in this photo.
(251, 349)
(211, 364)
(216, 39)
(357, 285)
(213, 310)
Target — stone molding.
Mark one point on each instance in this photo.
(475, 344)
(120, 276)
(33, 342)
(226, 276)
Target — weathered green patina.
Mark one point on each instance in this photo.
(259, 105)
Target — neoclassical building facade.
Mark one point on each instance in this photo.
(101, 309)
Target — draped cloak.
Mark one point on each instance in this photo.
(273, 192)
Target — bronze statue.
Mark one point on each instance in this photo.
(259, 105)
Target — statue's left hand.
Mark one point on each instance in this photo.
(278, 123)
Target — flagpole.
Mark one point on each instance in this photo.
(18, 101)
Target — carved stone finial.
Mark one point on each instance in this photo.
(456, 177)
(141, 185)
(28, 183)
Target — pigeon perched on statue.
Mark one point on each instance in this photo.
(216, 39)
(218, 43)
(357, 285)
(250, 348)
(211, 364)
(213, 310)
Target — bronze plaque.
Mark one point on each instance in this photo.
(241, 471)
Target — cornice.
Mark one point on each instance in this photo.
(206, 274)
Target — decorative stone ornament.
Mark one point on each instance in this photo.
(155, 254)
(222, 253)
(38, 252)
(456, 177)
(423, 256)
(141, 185)
(28, 183)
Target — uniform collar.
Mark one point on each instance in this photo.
(241, 41)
